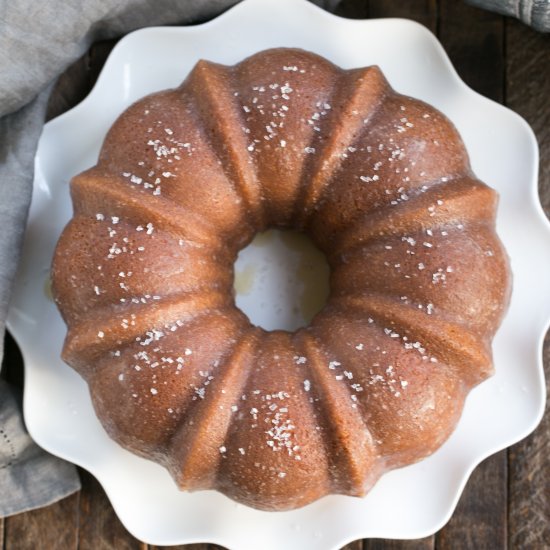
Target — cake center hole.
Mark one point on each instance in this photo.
(281, 280)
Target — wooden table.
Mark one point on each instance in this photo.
(507, 500)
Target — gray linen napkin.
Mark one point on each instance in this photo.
(29, 477)
(535, 13)
(38, 41)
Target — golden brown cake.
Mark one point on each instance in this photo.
(143, 276)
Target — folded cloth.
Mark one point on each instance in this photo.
(535, 13)
(29, 476)
(38, 41)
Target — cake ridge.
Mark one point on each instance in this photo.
(115, 190)
(99, 336)
(369, 85)
(473, 352)
(351, 440)
(162, 381)
(276, 435)
(242, 175)
(284, 121)
(192, 450)
(468, 195)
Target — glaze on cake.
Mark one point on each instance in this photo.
(143, 277)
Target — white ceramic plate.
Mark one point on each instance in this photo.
(408, 503)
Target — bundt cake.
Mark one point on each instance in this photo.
(143, 276)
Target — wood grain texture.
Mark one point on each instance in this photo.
(528, 93)
(480, 519)
(353, 9)
(12, 365)
(422, 11)
(55, 526)
(99, 527)
(474, 40)
(355, 545)
(79, 79)
(383, 544)
(1, 533)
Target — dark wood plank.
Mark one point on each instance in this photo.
(100, 528)
(78, 79)
(528, 93)
(529, 482)
(383, 544)
(353, 9)
(70, 89)
(474, 41)
(55, 526)
(422, 11)
(1, 533)
(355, 545)
(479, 520)
(12, 364)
